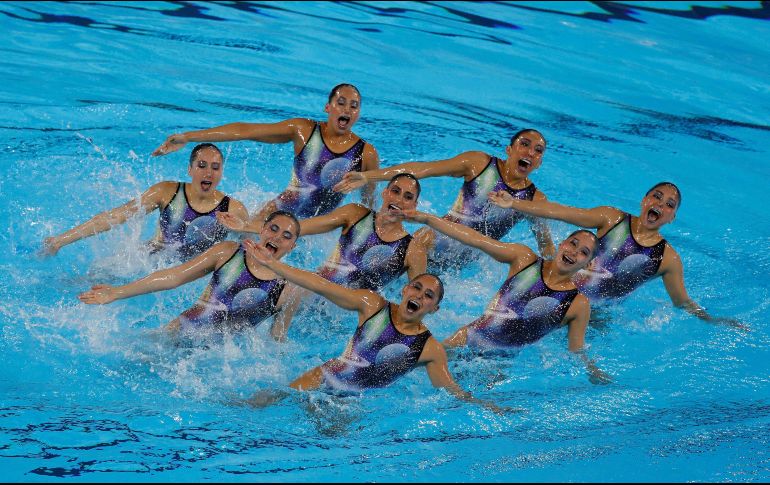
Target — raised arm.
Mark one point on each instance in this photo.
(362, 301)
(164, 279)
(673, 278)
(435, 360)
(577, 320)
(344, 217)
(503, 252)
(150, 200)
(467, 164)
(542, 232)
(370, 162)
(281, 132)
(598, 217)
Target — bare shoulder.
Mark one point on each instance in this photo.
(433, 351)
(671, 260)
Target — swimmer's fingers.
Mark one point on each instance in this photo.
(92, 297)
(600, 378)
(259, 253)
(230, 221)
(50, 247)
(501, 198)
(731, 322)
(350, 182)
(172, 144)
(414, 215)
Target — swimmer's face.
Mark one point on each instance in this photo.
(401, 194)
(279, 235)
(344, 110)
(659, 207)
(575, 252)
(206, 170)
(526, 153)
(419, 298)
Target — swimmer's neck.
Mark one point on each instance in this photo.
(387, 227)
(641, 233)
(510, 176)
(196, 196)
(404, 324)
(258, 270)
(553, 277)
(332, 138)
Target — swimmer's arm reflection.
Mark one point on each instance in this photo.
(165, 279)
(672, 271)
(153, 198)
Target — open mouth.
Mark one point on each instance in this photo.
(653, 215)
(271, 247)
(567, 259)
(206, 184)
(393, 207)
(524, 164)
(412, 306)
(343, 122)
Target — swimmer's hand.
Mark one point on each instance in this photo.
(502, 199)
(172, 144)
(599, 377)
(260, 399)
(730, 322)
(502, 410)
(98, 295)
(231, 221)
(413, 215)
(51, 246)
(350, 182)
(260, 253)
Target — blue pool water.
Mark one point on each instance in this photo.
(626, 94)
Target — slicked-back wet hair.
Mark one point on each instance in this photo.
(339, 86)
(670, 184)
(409, 176)
(440, 285)
(526, 130)
(288, 214)
(200, 147)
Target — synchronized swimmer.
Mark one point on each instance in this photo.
(249, 284)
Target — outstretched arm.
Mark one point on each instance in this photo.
(150, 200)
(503, 252)
(598, 217)
(435, 360)
(673, 278)
(577, 318)
(362, 301)
(164, 279)
(463, 165)
(281, 132)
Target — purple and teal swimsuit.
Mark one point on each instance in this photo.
(362, 260)
(316, 170)
(376, 356)
(621, 264)
(234, 298)
(523, 311)
(187, 231)
(472, 208)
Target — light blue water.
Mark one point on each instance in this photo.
(627, 95)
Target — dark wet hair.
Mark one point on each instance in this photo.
(521, 132)
(440, 285)
(288, 214)
(593, 236)
(200, 147)
(335, 88)
(409, 176)
(670, 184)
